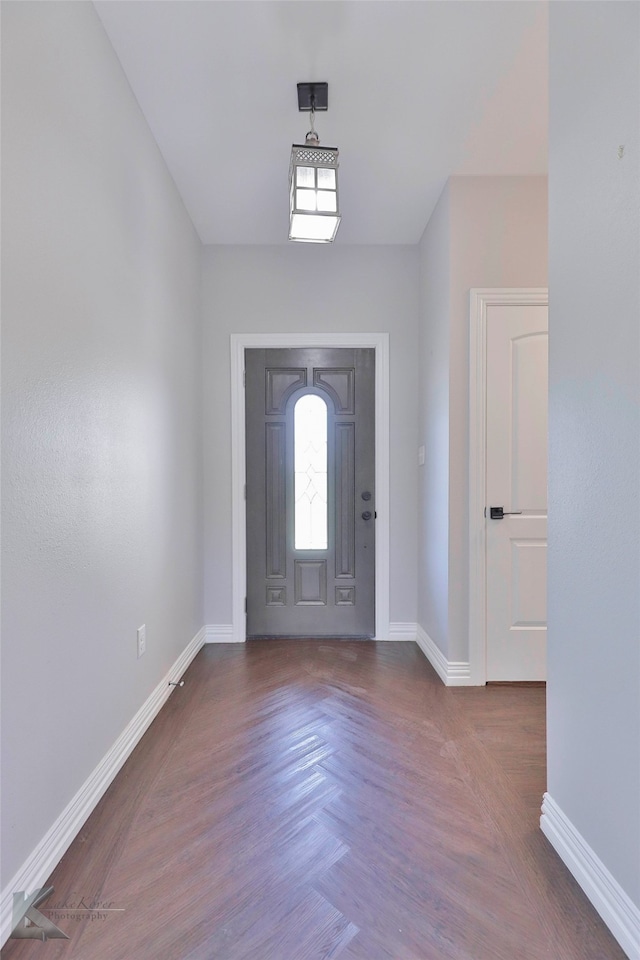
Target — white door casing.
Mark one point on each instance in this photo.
(380, 343)
(508, 441)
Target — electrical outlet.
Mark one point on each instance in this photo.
(142, 640)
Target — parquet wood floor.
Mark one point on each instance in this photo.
(307, 800)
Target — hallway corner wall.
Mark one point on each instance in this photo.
(593, 693)
(101, 414)
(495, 230)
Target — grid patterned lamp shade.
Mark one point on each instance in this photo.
(313, 193)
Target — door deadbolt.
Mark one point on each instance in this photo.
(366, 495)
(366, 515)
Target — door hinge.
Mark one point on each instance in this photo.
(245, 604)
(244, 378)
(245, 491)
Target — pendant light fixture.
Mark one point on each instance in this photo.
(314, 215)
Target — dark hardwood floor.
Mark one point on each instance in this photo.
(306, 800)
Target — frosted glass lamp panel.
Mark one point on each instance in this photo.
(306, 199)
(326, 179)
(305, 227)
(305, 177)
(327, 201)
(310, 465)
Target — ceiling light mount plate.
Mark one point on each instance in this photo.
(313, 94)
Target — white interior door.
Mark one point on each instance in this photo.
(516, 481)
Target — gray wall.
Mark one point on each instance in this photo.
(594, 417)
(433, 476)
(101, 413)
(307, 288)
(485, 232)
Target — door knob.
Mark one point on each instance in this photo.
(499, 513)
(366, 515)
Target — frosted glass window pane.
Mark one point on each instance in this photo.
(306, 199)
(326, 179)
(304, 177)
(327, 201)
(310, 459)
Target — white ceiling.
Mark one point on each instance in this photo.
(419, 90)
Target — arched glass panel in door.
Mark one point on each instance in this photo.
(310, 459)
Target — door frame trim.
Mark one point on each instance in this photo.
(239, 342)
(480, 299)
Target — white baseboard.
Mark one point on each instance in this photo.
(453, 673)
(39, 865)
(402, 631)
(223, 632)
(220, 633)
(617, 910)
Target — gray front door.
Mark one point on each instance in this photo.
(310, 462)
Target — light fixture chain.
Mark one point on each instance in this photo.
(312, 135)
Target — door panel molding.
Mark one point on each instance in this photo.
(345, 506)
(239, 342)
(340, 387)
(275, 482)
(280, 385)
(480, 300)
(310, 579)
